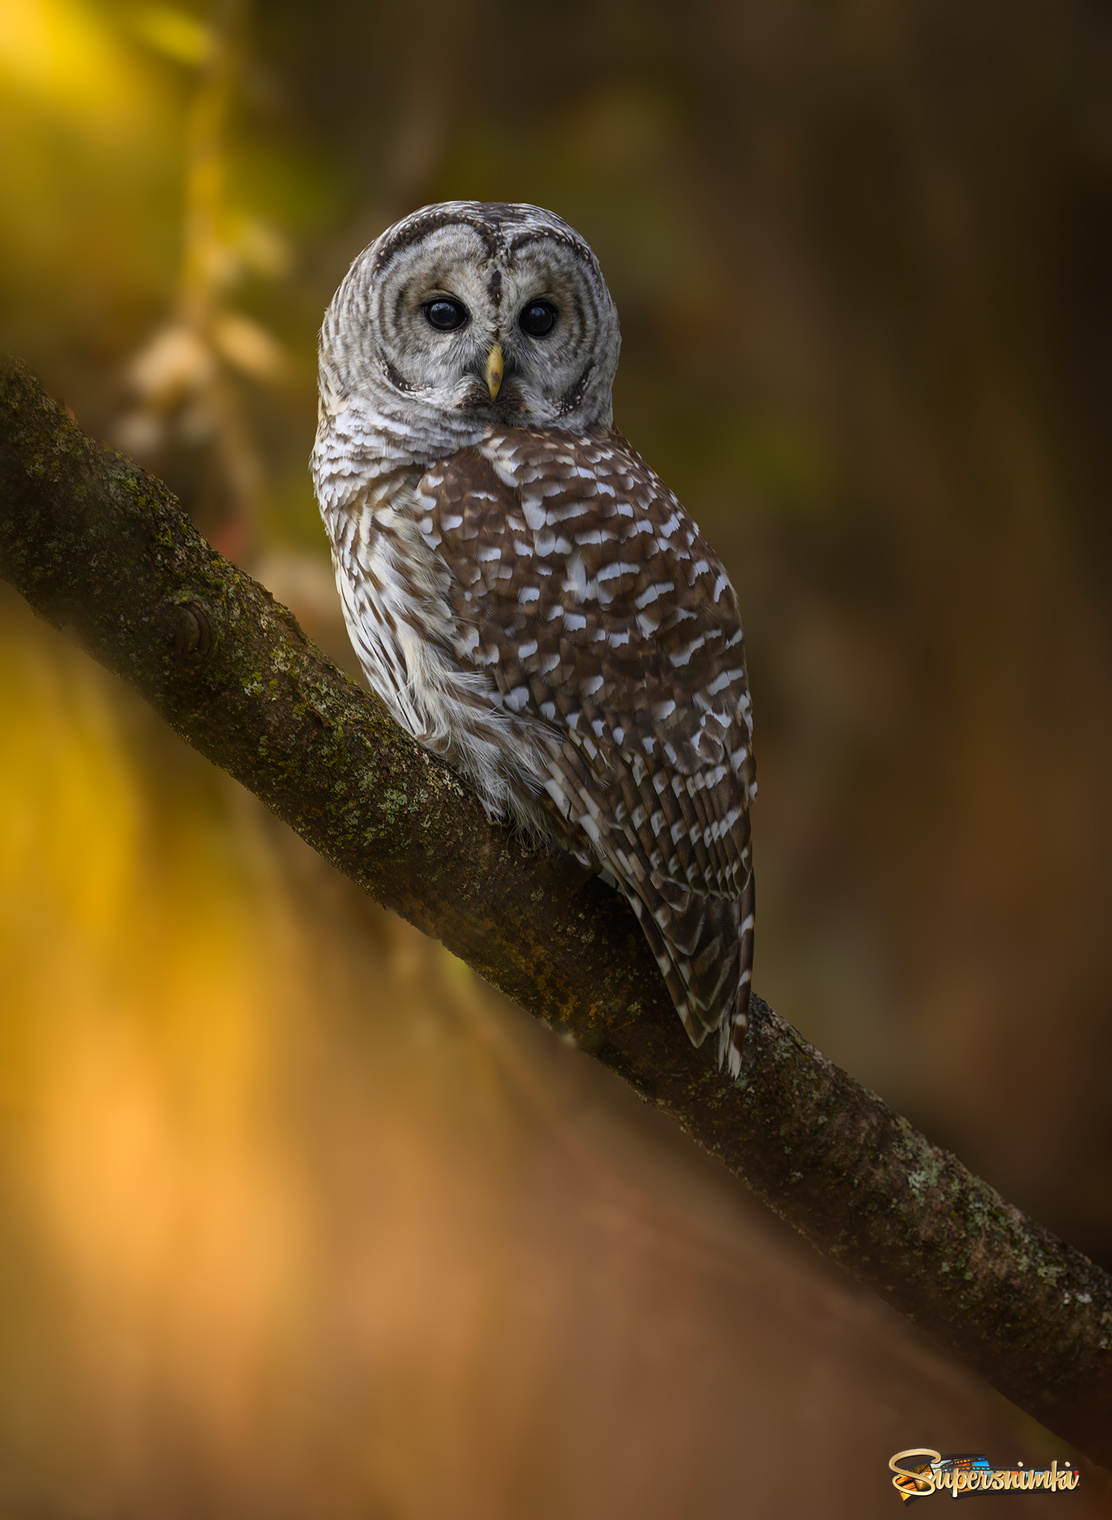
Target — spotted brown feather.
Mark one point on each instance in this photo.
(584, 590)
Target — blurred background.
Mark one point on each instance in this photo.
(296, 1217)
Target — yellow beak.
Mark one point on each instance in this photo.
(492, 373)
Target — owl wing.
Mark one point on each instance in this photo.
(588, 596)
(590, 604)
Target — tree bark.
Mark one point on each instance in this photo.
(102, 551)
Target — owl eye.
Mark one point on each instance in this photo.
(445, 315)
(538, 318)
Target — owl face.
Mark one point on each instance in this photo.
(485, 314)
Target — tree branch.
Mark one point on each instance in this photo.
(102, 551)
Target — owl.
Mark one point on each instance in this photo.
(524, 594)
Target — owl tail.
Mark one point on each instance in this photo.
(704, 948)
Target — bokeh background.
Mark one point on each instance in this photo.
(296, 1217)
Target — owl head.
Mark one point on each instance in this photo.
(468, 314)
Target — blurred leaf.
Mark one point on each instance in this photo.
(263, 249)
(175, 362)
(249, 346)
(173, 32)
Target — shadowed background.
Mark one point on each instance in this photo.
(298, 1219)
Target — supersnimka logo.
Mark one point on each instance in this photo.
(920, 1471)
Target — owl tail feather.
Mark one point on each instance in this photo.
(704, 948)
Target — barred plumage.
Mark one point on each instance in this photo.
(526, 596)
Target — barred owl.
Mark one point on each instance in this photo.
(527, 598)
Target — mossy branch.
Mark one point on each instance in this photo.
(102, 551)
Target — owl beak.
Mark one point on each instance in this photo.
(493, 370)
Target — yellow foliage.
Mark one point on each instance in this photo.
(63, 57)
(173, 32)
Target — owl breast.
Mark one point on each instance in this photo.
(397, 596)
